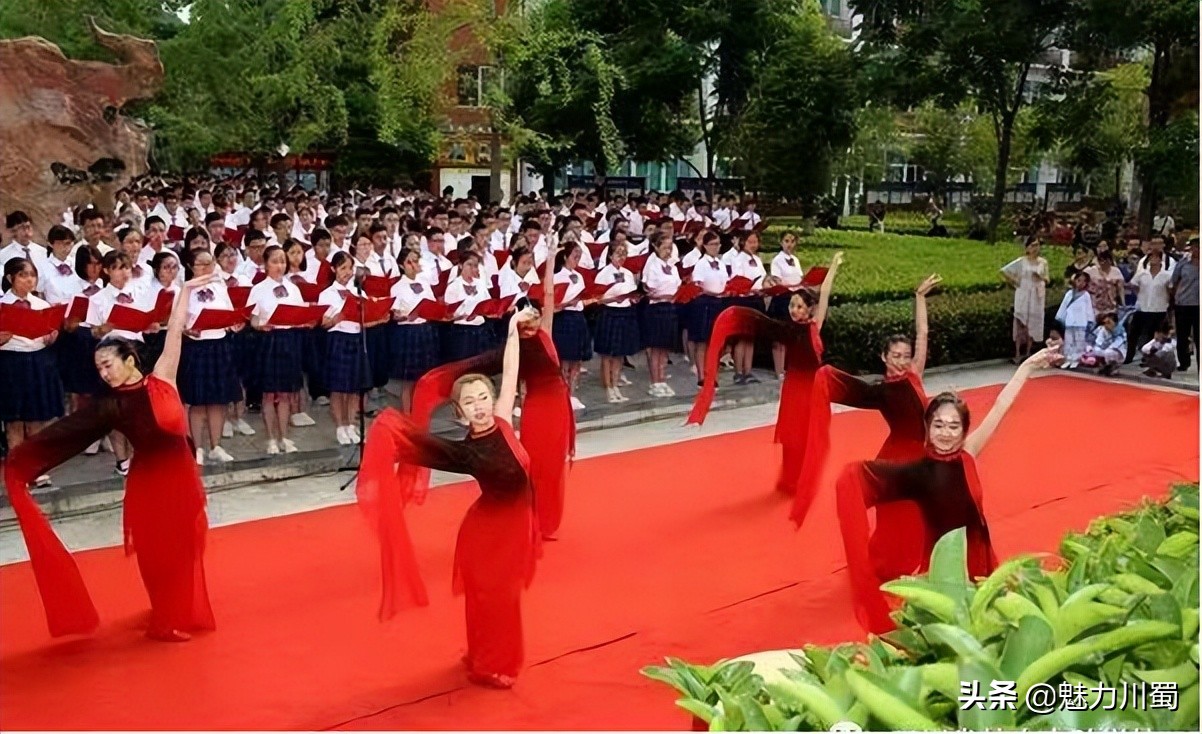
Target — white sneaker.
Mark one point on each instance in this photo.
(200, 457)
(302, 420)
(623, 379)
(273, 448)
(583, 370)
(220, 455)
(352, 433)
(668, 391)
(289, 447)
(42, 481)
(227, 430)
(341, 435)
(106, 444)
(244, 428)
(322, 401)
(517, 411)
(612, 395)
(92, 450)
(576, 404)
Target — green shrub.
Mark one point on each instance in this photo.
(1122, 612)
(904, 222)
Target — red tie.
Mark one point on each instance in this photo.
(231, 281)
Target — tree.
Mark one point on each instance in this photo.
(64, 22)
(1166, 31)
(801, 107)
(954, 50)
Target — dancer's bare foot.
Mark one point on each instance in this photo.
(492, 680)
(168, 635)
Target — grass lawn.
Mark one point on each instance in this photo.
(888, 267)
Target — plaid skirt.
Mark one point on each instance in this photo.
(461, 341)
(208, 374)
(572, 340)
(703, 314)
(30, 390)
(414, 350)
(280, 360)
(76, 363)
(659, 327)
(778, 307)
(152, 349)
(345, 369)
(379, 354)
(617, 332)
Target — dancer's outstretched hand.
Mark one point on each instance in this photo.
(201, 281)
(1044, 358)
(928, 285)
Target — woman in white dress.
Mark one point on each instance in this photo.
(1028, 275)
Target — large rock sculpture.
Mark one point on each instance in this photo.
(63, 140)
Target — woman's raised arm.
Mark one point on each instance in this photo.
(507, 395)
(168, 363)
(824, 294)
(976, 441)
(919, 363)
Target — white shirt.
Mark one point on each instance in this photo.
(93, 316)
(575, 287)
(102, 247)
(1153, 290)
(147, 254)
(20, 343)
(620, 281)
(468, 296)
(215, 297)
(787, 268)
(1076, 310)
(264, 298)
(660, 279)
(511, 283)
(691, 258)
(722, 218)
(107, 298)
(752, 220)
(749, 266)
(406, 293)
(13, 250)
(56, 284)
(710, 274)
(335, 298)
(433, 266)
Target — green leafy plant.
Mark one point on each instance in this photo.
(1120, 610)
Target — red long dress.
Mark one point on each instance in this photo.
(947, 492)
(496, 549)
(901, 400)
(548, 425)
(164, 509)
(803, 357)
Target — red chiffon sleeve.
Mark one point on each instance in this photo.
(982, 560)
(69, 608)
(830, 386)
(860, 486)
(733, 323)
(394, 449)
(548, 430)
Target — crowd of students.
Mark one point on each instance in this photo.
(322, 298)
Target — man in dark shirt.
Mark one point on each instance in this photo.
(1183, 287)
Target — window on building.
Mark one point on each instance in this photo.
(832, 7)
(474, 82)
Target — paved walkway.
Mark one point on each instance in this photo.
(88, 484)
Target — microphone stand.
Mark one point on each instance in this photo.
(364, 376)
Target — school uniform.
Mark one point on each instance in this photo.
(751, 267)
(710, 274)
(470, 337)
(1076, 314)
(248, 269)
(157, 341)
(208, 370)
(432, 269)
(414, 343)
(345, 367)
(617, 326)
(57, 281)
(658, 323)
(35, 253)
(76, 363)
(569, 329)
(31, 390)
(787, 269)
(314, 343)
(280, 360)
(147, 254)
(130, 296)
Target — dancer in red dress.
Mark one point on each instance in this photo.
(901, 400)
(497, 545)
(803, 356)
(943, 484)
(548, 425)
(165, 521)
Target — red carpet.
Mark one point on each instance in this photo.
(674, 550)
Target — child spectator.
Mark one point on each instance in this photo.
(1109, 346)
(1076, 314)
(1160, 354)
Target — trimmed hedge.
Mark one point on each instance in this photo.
(903, 222)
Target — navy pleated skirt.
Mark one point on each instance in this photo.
(152, 349)
(572, 340)
(755, 303)
(778, 307)
(281, 360)
(30, 388)
(415, 350)
(346, 368)
(247, 344)
(379, 353)
(461, 341)
(76, 362)
(617, 332)
(208, 372)
(703, 314)
(315, 357)
(659, 327)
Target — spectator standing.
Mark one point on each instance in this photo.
(1077, 315)
(1028, 275)
(1105, 285)
(1151, 303)
(1183, 286)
